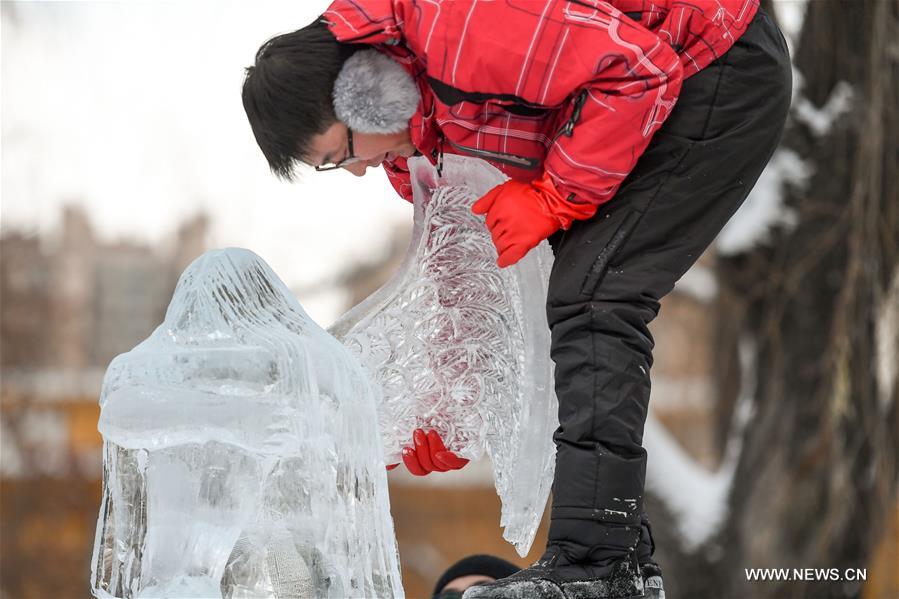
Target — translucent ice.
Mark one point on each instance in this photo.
(242, 456)
(459, 345)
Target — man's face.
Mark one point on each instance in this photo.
(369, 149)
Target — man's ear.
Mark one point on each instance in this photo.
(374, 94)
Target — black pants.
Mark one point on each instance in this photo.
(611, 271)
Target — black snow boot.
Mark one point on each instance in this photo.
(554, 577)
(653, 587)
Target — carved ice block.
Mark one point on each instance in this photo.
(459, 345)
(242, 455)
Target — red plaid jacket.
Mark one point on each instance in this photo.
(573, 87)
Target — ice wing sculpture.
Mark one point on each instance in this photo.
(242, 455)
(459, 345)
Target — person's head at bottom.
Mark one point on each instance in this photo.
(471, 571)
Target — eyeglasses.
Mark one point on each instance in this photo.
(350, 158)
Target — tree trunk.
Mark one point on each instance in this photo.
(817, 475)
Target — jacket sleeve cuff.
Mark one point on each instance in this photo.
(566, 211)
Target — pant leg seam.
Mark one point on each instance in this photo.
(593, 385)
(713, 103)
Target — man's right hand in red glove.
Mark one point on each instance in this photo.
(429, 454)
(521, 215)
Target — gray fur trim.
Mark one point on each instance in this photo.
(374, 94)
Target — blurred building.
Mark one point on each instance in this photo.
(70, 303)
(73, 302)
(683, 378)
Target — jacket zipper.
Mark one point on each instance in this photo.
(568, 128)
(501, 157)
(437, 153)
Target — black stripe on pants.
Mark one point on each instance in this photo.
(611, 271)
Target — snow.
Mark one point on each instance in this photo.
(764, 208)
(887, 340)
(699, 283)
(682, 392)
(790, 14)
(696, 496)
(745, 409)
(44, 438)
(12, 463)
(821, 120)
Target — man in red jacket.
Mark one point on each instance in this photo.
(631, 131)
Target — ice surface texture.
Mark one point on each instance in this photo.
(242, 456)
(459, 345)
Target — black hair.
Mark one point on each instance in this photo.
(287, 93)
(480, 565)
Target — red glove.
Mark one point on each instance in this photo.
(428, 454)
(521, 215)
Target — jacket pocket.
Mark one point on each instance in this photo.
(607, 254)
(524, 162)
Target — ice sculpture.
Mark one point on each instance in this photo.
(461, 346)
(242, 456)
